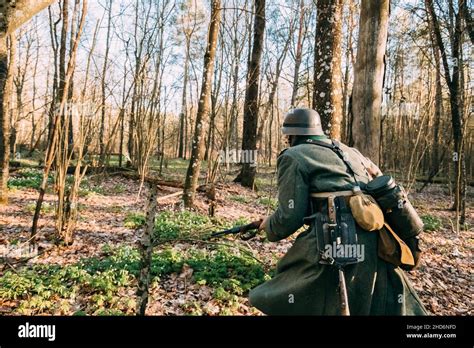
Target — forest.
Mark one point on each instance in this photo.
(133, 130)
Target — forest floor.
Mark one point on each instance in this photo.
(97, 274)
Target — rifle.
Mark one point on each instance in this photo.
(247, 231)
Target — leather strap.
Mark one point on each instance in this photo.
(335, 147)
(332, 210)
(335, 193)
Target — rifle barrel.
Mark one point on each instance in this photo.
(251, 226)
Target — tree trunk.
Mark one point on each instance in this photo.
(346, 124)
(454, 100)
(202, 116)
(5, 94)
(55, 132)
(274, 85)
(469, 22)
(214, 111)
(327, 93)
(183, 114)
(435, 160)
(249, 136)
(299, 54)
(103, 85)
(368, 77)
(146, 248)
(16, 13)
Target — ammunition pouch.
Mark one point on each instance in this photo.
(335, 228)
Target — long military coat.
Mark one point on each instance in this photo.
(301, 285)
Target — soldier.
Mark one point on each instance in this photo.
(308, 172)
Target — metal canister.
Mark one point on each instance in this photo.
(398, 211)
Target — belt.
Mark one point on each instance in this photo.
(334, 194)
(324, 201)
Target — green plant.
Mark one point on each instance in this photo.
(432, 223)
(118, 188)
(109, 312)
(134, 220)
(100, 282)
(240, 199)
(88, 188)
(45, 207)
(172, 225)
(193, 308)
(128, 259)
(28, 178)
(42, 287)
(226, 269)
(268, 202)
(240, 221)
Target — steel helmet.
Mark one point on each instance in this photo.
(302, 122)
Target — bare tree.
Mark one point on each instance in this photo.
(368, 77)
(273, 76)
(251, 106)
(56, 142)
(453, 80)
(190, 21)
(103, 84)
(202, 116)
(13, 15)
(349, 63)
(302, 29)
(6, 82)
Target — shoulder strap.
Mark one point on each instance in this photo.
(282, 151)
(335, 146)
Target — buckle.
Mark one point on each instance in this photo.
(328, 259)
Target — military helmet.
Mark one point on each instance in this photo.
(302, 122)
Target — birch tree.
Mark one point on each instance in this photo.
(327, 94)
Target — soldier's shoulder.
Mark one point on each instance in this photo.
(282, 152)
(345, 147)
(290, 152)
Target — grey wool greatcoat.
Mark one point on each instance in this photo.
(301, 285)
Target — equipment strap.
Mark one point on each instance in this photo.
(346, 193)
(334, 146)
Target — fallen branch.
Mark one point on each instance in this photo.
(178, 193)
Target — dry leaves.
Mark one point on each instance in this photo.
(443, 280)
